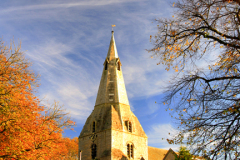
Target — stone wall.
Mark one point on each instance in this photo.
(120, 139)
(103, 143)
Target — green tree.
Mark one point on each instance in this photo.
(184, 154)
(206, 99)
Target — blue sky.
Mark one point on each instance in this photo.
(67, 41)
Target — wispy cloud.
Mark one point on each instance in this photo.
(68, 42)
(62, 4)
(67, 81)
(157, 135)
(142, 76)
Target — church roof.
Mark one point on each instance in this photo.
(112, 87)
(160, 154)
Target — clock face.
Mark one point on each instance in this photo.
(93, 137)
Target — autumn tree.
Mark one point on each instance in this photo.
(72, 148)
(183, 154)
(201, 43)
(28, 130)
(68, 151)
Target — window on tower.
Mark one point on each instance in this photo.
(106, 64)
(94, 127)
(94, 150)
(129, 126)
(130, 150)
(119, 65)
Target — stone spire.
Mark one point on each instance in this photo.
(112, 88)
(112, 131)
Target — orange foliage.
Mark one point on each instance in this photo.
(25, 132)
(72, 148)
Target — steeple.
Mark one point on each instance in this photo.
(112, 88)
(112, 51)
(112, 131)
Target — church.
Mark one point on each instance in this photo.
(112, 131)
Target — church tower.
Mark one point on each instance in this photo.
(112, 131)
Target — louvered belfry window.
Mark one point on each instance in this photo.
(130, 148)
(131, 152)
(94, 151)
(129, 127)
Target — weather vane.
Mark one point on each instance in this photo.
(113, 26)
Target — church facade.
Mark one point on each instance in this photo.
(112, 131)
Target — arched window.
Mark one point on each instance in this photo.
(130, 150)
(94, 150)
(129, 126)
(94, 127)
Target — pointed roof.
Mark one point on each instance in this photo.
(112, 87)
(112, 109)
(112, 51)
(160, 154)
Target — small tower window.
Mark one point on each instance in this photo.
(119, 65)
(129, 126)
(130, 150)
(106, 65)
(94, 127)
(94, 151)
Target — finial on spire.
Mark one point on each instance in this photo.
(113, 26)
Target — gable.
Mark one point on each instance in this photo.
(160, 154)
